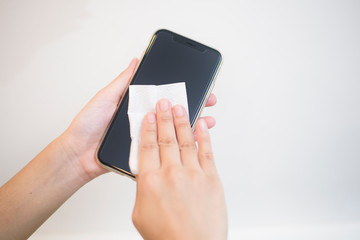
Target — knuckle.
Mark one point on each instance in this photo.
(150, 129)
(166, 141)
(174, 174)
(183, 124)
(187, 146)
(148, 146)
(203, 138)
(148, 178)
(207, 156)
(195, 176)
(150, 182)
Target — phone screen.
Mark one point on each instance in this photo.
(170, 58)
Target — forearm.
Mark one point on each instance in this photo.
(40, 188)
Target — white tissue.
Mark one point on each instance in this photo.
(143, 99)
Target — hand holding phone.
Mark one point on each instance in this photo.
(83, 136)
(179, 194)
(169, 58)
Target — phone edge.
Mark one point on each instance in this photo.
(211, 87)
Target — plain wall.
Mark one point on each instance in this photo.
(287, 140)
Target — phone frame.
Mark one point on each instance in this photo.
(210, 88)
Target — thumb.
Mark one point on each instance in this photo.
(116, 88)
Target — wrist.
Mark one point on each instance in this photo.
(70, 160)
(81, 155)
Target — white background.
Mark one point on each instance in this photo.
(287, 140)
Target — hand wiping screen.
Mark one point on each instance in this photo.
(143, 99)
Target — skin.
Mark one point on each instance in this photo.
(64, 166)
(179, 194)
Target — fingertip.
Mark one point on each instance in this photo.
(163, 105)
(148, 124)
(202, 130)
(210, 121)
(127, 73)
(150, 117)
(179, 111)
(211, 100)
(115, 89)
(201, 126)
(133, 62)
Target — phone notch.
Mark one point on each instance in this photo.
(189, 43)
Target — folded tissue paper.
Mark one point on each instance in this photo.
(143, 99)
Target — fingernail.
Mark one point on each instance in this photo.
(151, 117)
(203, 125)
(164, 105)
(179, 112)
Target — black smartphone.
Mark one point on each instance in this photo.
(169, 58)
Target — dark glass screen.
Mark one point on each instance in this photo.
(171, 58)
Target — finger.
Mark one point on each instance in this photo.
(211, 100)
(185, 138)
(117, 87)
(148, 149)
(169, 150)
(210, 122)
(205, 153)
